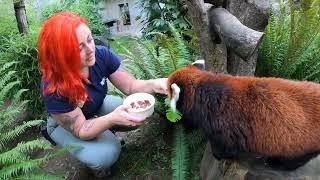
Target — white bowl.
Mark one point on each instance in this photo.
(140, 112)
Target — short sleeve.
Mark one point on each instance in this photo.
(110, 59)
(56, 104)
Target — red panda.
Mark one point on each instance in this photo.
(271, 118)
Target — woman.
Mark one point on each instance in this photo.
(74, 86)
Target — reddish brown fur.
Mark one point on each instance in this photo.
(285, 115)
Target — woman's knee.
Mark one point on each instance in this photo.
(104, 155)
(51, 125)
(110, 103)
(105, 158)
(99, 153)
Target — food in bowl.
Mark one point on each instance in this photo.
(142, 104)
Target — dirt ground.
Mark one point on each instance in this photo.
(141, 158)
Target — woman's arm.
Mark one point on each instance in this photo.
(76, 123)
(126, 83)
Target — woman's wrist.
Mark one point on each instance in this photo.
(158, 85)
(93, 127)
(152, 85)
(149, 86)
(109, 120)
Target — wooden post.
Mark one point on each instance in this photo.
(21, 17)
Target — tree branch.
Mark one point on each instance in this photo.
(243, 40)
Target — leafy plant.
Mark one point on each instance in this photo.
(22, 52)
(291, 46)
(180, 156)
(15, 161)
(86, 8)
(156, 14)
(158, 58)
(8, 22)
(156, 61)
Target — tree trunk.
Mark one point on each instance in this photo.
(20, 12)
(212, 55)
(241, 39)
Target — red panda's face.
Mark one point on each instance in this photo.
(181, 83)
(179, 77)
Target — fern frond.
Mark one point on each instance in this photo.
(22, 167)
(6, 66)
(6, 77)
(292, 23)
(39, 176)
(183, 55)
(18, 95)
(306, 29)
(281, 22)
(8, 136)
(292, 52)
(308, 63)
(147, 56)
(170, 52)
(8, 115)
(5, 90)
(19, 153)
(153, 59)
(180, 155)
(137, 62)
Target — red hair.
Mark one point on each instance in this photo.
(59, 56)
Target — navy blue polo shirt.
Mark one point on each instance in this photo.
(106, 63)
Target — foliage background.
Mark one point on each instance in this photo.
(291, 46)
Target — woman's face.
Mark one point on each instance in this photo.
(86, 45)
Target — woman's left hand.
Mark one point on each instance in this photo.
(160, 86)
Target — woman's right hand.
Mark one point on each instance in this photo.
(120, 116)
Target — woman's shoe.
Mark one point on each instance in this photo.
(102, 173)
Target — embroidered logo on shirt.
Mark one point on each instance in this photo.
(80, 104)
(103, 81)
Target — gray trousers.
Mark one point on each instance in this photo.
(97, 154)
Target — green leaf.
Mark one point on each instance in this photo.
(173, 116)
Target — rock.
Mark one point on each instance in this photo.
(211, 168)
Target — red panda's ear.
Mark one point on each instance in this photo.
(191, 67)
(184, 79)
(200, 64)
